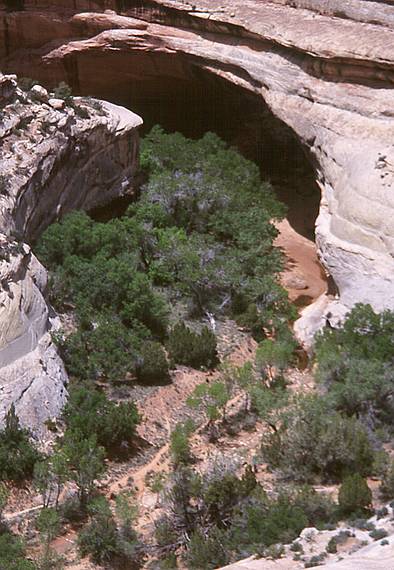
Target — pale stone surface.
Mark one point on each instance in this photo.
(39, 93)
(51, 161)
(57, 104)
(324, 68)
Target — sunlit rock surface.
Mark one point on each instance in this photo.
(53, 158)
(324, 69)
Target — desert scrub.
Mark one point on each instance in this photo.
(201, 233)
(378, 533)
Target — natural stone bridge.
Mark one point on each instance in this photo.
(296, 74)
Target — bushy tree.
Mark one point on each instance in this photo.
(207, 551)
(105, 350)
(48, 524)
(104, 540)
(190, 348)
(224, 250)
(355, 363)
(313, 440)
(202, 230)
(180, 443)
(272, 358)
(233, 513)
(17, 453)
(88, 413)
(269, 522)
(354, 495)
(152, 365)
(129, 547)
(86, 460)
(99, 538)
(319, 508)
(50, 476)
(387, 483)
(13, 553)
(211, 399)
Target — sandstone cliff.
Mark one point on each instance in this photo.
(323, 69)
(54, 158)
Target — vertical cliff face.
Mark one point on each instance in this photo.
(322, 71)
(54, 158)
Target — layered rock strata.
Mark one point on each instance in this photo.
(54, 157)
(325, 70)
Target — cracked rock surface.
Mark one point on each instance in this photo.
(54, 157)
(323, 68)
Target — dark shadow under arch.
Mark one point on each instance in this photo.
(169, 90)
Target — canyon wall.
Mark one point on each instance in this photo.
(53, 158)
(323, 69)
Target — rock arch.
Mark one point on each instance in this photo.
(324, 72)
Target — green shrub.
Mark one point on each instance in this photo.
(130, 552)
(296, 547)
(200, 234)
(208, 552)
(63, 91)
(106, 351)
(332, 547)
(81, 112)
(387, 483)
(378, 533)
(313, 440)
(341, 538)
(99, 538)
(381, 513)
(362, 524)
(179, 443)
(26, 83)
(88, 412)
(13, 554)
(85, 460)
(272, 358)
(274, 552)
(316, 560)
(355, 364)
(152, 363)
(105, 541)
(319, 508)
(192, 349)
(17, 453)
(354, 495)
(165, 533)
(269, 523)
(48, 525)
(212, 399)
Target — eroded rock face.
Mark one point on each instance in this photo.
(324, 69)
(54, 158)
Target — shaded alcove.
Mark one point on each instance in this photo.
(167, 89)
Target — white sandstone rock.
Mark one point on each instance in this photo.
(39, 93)
(57, 104)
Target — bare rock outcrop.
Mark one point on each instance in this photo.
(54, 157)
(324, 69)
